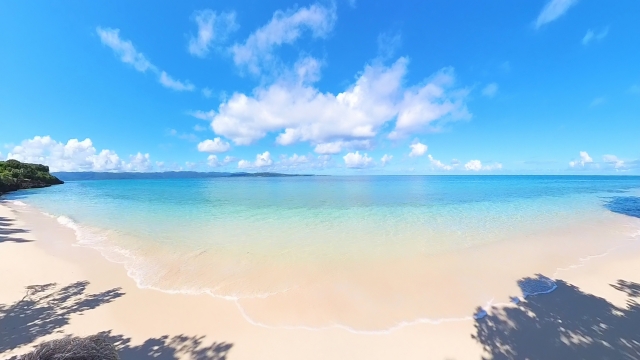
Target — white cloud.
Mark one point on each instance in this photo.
(199, 127)
(138, 162)
(285, 27)
(476, 165)
(357, 161)
(203, 115)
(124, 48)
(262, 160)
(418, 149)
(584, 160)
(216, 145)
(183, 136)
(490, 90)
(302, 113)
(294, 161)
(212, 27)
(337, 147)
(388, 43)
(212, 161)
(591, 35)
(75, 155)
(553, 10)
(439, 165)
(173, 84)
(329, 148)
(129, 55)
(494, 166)
(386, 159)
(473, 165)
(206, 92)
(614, 161)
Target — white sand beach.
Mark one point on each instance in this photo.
(51, 288)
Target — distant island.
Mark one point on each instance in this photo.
(15, 175)
(90, 175)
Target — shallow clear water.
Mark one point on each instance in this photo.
(251, 237)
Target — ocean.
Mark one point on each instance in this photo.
(366, 253)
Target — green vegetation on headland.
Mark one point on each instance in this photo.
(15, 175)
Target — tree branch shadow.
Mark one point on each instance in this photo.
(169, 348)
(46, 309)
(564, 324)
(6, 233)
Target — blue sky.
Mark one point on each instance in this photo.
(344, 87)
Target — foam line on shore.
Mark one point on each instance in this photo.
(88, 238)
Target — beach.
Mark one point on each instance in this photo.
(92, 294)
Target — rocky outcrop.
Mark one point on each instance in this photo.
(15, 175)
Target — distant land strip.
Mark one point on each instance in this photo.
(90, 175)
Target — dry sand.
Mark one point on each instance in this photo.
(586, 317)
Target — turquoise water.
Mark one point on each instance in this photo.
(251, 237)
(325, 216)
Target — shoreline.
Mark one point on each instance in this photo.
(60, 262)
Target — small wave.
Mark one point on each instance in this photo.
(386, 331)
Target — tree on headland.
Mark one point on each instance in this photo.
(15, 175)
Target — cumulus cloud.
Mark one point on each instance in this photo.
(212, 27)
(285, 27)
(613, 160)
(294, 161)
(212, 160)
(262, 160)
(476, 165)
(437, 164)
(418, 149)
(75, 155)
(473, 165)
(139, 162)
(129, 55)
(553, 10)
(490, 90)
(301, 113)
(584, 160)
(386, 159)
(592, 35)
(216, 145)
(357, 160)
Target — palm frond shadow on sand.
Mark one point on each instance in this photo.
(564, 324)
(8, 234)
(46, 310)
